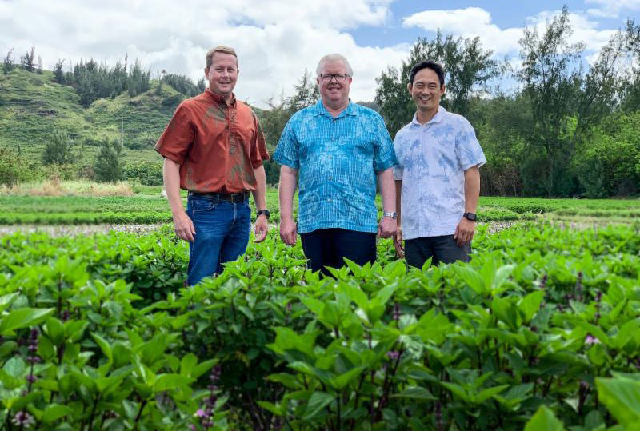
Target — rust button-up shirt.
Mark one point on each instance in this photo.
(217, 145)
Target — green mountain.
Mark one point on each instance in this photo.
(32, 105)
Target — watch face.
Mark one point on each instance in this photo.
(470, 216)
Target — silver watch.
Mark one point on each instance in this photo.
(393, 215)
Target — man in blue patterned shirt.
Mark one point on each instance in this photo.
(437, 177)
(333, 152)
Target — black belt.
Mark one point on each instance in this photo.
(226, 197)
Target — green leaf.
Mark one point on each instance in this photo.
(488, 393)
(622, 398)
(55, 330)
(53, 412)
(166, 382)
(544, 420)
(530, 304)
(23, 318)
(317, 402)
(416, 392)
(314, 305)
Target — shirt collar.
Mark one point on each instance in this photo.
(219, 98)
(436, 118)
(320, 109)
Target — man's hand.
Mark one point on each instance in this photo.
(387, 227)
(261, 229)
(288, 231)
(397, 243)
(464, 232)
(183, 226)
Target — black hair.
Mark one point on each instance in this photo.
(427, 65)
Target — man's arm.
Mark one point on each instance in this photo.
(465, 230)
(182, 224)
(260, 199)
(388, 226)
(286, 190)
(397, 240)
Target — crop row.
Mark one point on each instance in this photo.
(540, 317)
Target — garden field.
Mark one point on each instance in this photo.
(145, 205)
(539, 332)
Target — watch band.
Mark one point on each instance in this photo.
(393, 214)
(470, 216)
(266, 213)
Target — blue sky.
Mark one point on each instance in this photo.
(277, 40)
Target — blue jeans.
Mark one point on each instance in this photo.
(222, 233)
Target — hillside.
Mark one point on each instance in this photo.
(32, 105)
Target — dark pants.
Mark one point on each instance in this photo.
(442, 249)
(329, 247)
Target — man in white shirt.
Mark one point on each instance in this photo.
(437, 176)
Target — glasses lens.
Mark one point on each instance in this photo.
(330, 76)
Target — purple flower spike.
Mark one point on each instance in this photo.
(591, 340)
(23, 419)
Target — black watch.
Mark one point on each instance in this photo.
(266, 213)
(470, 216)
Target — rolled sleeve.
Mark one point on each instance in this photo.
(384, 156)
(468, 148)
(177, 138)
(259, 151)
(287, 151)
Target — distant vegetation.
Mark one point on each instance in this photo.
(570, 129)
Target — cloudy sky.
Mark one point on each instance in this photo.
(278, 39)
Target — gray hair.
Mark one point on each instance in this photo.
(334, 57)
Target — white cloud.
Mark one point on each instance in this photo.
(474, 21)
(275, 40)
(612, 8)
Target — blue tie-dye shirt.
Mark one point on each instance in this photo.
(432, 159)
(337, 160)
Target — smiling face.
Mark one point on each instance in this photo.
(335, 95)
(426, 90)
(223, 73)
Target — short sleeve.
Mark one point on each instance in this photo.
(398, 170)
(178, 137)
(468, 148)
(287, 151)
(384, 155)
(259, 151)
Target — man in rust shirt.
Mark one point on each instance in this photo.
(214, 147)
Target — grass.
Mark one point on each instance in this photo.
(34, 105)
(68, 188)
(61, 203)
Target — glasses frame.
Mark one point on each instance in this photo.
(331, 76)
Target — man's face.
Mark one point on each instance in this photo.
(426, 90)
(334, 93)
(223, 73)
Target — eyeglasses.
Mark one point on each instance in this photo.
(327, 77)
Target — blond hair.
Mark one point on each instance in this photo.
(223, 49)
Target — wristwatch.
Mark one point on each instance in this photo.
(266, 213)
(393, 215)
(470, 216)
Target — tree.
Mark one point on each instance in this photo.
(550, 76)
(28, 60)
(107, 165)
(39, 69)
(58, 73)
(468, 69)
(631, 85)
(58, 150)
(8, 65)
(565, 102)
